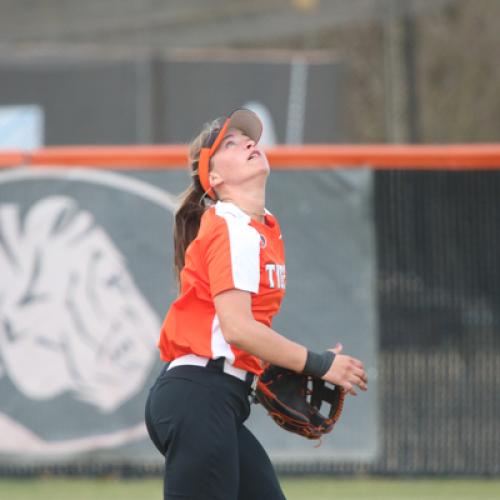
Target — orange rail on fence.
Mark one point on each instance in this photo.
(9, 158)
(459, 157)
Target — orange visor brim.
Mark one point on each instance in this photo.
(204, 161)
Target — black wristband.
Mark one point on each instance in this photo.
(318, 364)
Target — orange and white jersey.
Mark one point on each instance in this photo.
(231, 251)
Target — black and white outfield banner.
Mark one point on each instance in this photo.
(86, 278)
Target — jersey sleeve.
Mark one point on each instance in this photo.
(233, 257)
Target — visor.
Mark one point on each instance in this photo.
(242, 119)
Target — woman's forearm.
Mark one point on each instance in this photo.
(240, 329)
(265, 343)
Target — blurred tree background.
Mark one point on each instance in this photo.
(418, 70)
(455, 78)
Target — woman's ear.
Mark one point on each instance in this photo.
(215, 179)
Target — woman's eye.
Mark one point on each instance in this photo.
(230, 143)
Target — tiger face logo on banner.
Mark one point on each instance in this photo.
(78, 332)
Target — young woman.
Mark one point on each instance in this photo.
(230, 263)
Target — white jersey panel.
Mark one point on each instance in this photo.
(220, 347)
(244, 244)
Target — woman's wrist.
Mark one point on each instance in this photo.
(317, 364)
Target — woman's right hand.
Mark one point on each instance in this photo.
(347, 372)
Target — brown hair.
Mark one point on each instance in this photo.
(193, 201)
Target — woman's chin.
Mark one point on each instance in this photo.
(259, 165)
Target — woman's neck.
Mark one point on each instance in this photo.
(252, 205)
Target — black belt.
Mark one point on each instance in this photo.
(218, 365)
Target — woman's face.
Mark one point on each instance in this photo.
(237, 161)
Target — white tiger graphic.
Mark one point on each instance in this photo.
(71, 317)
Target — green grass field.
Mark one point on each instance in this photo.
(295, 489)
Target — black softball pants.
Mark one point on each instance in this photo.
(195, 416)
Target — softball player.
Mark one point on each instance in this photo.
(230, 262)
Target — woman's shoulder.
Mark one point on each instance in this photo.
(227, 218)
(223, 213)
